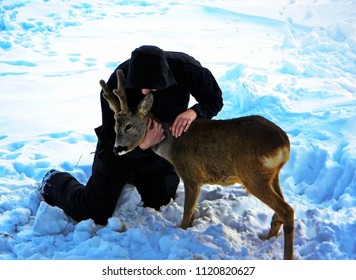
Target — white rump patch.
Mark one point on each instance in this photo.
(281, 156)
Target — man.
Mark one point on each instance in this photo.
(172, 77)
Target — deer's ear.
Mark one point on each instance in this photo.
(145, 105)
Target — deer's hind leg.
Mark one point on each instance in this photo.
(262, 188)
(276, 222)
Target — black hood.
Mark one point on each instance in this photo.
(148, 68)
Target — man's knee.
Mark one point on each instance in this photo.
(159, 191)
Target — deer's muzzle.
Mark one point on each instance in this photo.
(120, 150)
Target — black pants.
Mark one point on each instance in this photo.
(154, 177)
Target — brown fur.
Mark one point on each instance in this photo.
(249, 150)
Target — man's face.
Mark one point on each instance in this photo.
(146, 90)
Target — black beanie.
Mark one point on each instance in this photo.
(148, 68)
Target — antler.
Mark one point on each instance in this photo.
(120, 91)
(109, 95)
(114, 104)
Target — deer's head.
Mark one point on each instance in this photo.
(130, 127)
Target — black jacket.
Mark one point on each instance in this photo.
(183, 75)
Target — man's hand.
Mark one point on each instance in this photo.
(182, 122)
(154, 134)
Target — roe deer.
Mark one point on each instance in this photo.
(248, 150)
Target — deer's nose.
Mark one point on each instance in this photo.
(120, 150)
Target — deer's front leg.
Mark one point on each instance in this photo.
(192, 192)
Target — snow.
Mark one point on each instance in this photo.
(292, 61)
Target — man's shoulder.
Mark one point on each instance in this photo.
(180, 59)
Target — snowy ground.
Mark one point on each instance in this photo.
(292, 61)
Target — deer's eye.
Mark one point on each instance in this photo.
(128, 127)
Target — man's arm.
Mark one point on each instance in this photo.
(206, 91)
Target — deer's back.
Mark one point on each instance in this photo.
(223, 146)
(238, 133)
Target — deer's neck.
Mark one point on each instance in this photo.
(164, 148)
